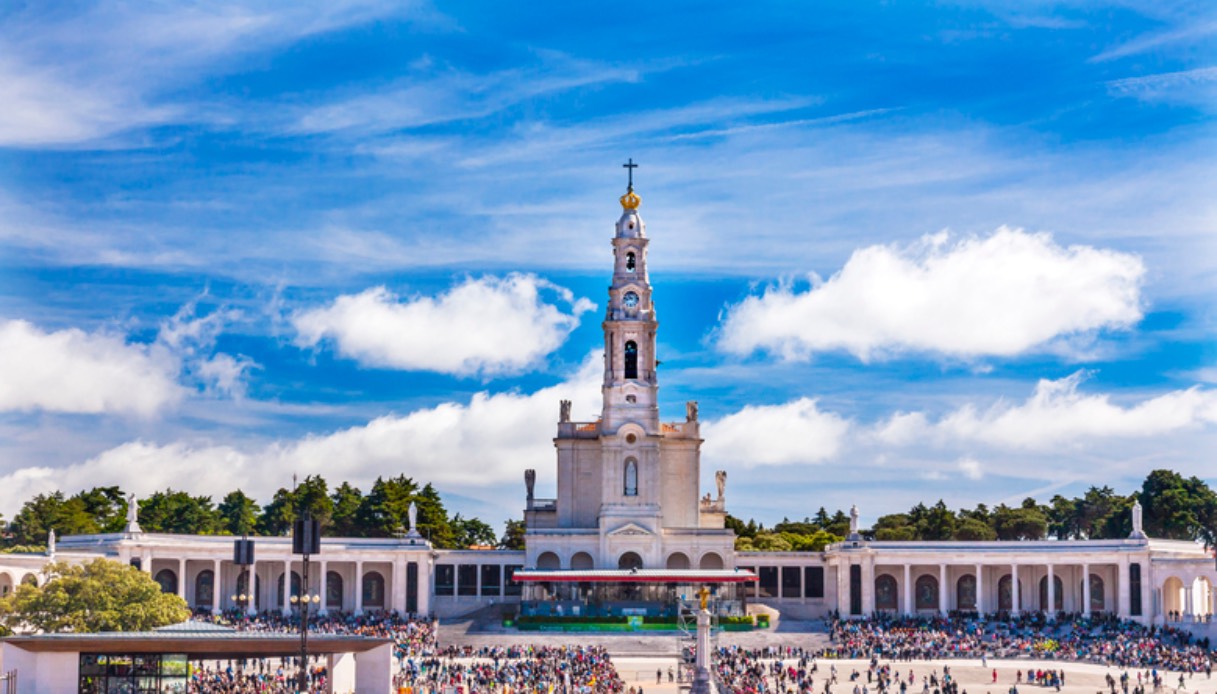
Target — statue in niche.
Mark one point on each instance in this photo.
(564, 411)
(691, 411)
(720, 479)
(530, 480)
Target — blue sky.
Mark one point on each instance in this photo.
(901, 251)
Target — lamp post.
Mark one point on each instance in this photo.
(306, 541)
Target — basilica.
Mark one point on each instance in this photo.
(631, 532)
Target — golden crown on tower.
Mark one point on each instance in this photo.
(630, 200)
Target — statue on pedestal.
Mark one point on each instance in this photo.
(564, 411)
(132, 515)
(50, 543)
(1138, 532)
(691, 411)
(530, 480)
(720, 479)
(412, 516)
(853, 522)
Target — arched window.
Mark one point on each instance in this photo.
(373, 590)
(631, 477)
(295, 586)
(629, 560)
(1098, 601)
(333, 590)
(168, 581)
(1005, 596)
(927, 592)
(965, 593)
(885, 592)
(631, 359)
(629, 261)
(203, 588)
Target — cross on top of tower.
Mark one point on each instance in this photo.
(630, 166)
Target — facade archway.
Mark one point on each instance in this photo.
(1058, 599)
(1005, 597)
(333, 590)
(373, 590)
(885, 592)
(1202, 599)
(29, 580)
(167, 578)
(629, 560)
(204, 587)
(1098, 597)
(710, 561)
(678, 560)
(582, 561)
(926, 592)
(965, 593)
(548, 561)
(1172, 597)
(6, 584)
(295, 586)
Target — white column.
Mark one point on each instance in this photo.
(251, 608)
(215, 589)
(181, 578)
(868, 586)
(287, 586)
(398, 600)
(1124, 590)
(425, 585)
(980, 589)
(323, 585)
(1051, 594)
(1086, 590)
(942, 589)
(843, 587)
(1016, 601)
(358, 587)
(908, 590)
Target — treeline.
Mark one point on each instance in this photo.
(344, 512)
(1173, 508)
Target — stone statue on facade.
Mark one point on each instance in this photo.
(564, 411)
(691, 411)
(853, 522)
(720, 479)
(132, 515)
(1138, 532)
(412, 515)
(530, 480)
(50, 542)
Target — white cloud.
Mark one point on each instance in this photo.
(1058, 415)
(794, 432)
(78, 372)
(970, 467)
(1002, 295)
(487, 441)
(482, 326)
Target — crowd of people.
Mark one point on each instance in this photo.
(412, 636)
(1097, 639)
(587, 669)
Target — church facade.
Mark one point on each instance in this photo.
(628, 503)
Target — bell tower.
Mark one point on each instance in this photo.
(630, 384)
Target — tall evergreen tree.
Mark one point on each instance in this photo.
(238, 513)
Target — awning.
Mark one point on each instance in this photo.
(636, 576)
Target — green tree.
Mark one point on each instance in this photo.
(937, 523)
(277, 516)
(972, 529)
(46, 511)
(238, 514)
(384, 509)
(313, 496)
(102, 595)
(895, 527)
(433, 518)
(106, 506)
(513, 535)
(178, 512)
(1019, 523)
(1178, 508)
(345, 521)
(470, 532)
